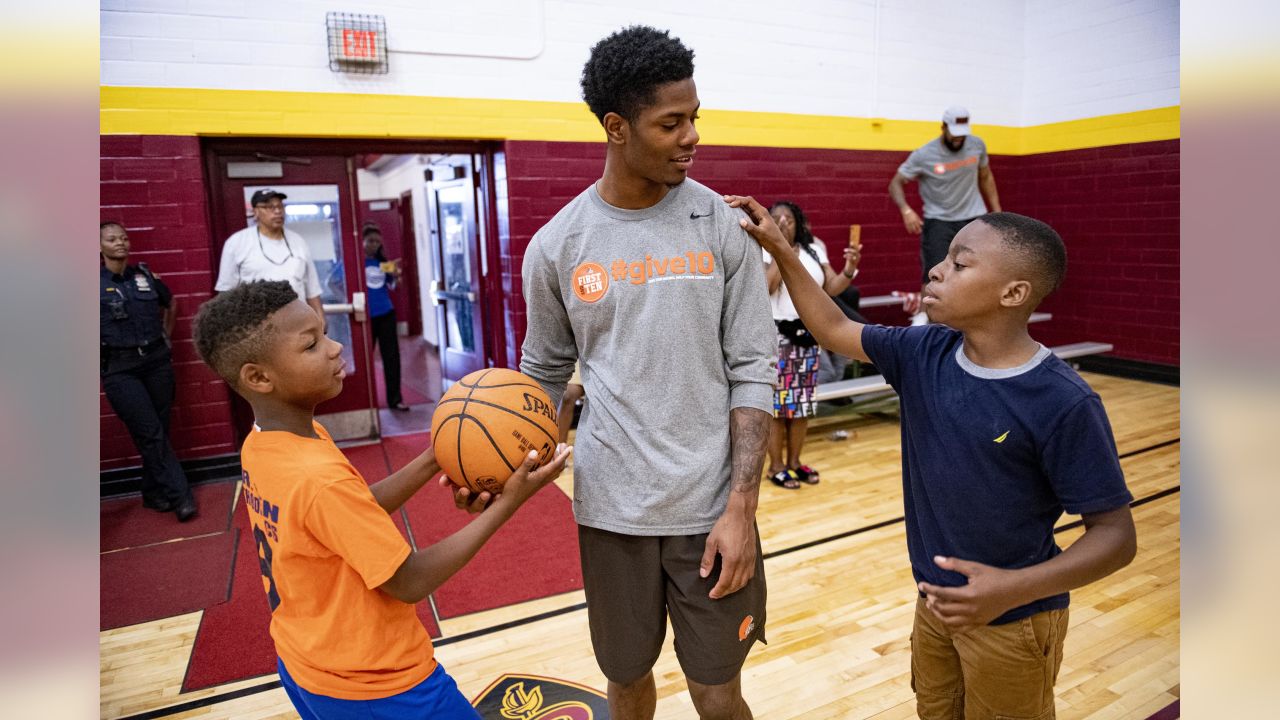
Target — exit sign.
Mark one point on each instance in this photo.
(357, 43)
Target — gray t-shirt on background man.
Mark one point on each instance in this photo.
(667, 310)
(948, 180)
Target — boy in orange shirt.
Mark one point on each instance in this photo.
(340, 579)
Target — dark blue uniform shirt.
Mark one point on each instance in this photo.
(131, 307)
(992, 458)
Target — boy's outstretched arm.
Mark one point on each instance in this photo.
(427, 569)
(396, 489)
(829, 325)
(1108, 544)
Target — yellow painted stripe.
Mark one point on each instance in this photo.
(1121, 129)
(190, 111)
(185, 111)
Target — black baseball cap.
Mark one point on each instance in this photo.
(265, 196)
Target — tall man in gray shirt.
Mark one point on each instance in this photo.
(647, 279)
(952, 169)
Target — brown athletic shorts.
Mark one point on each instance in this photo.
(633, 582)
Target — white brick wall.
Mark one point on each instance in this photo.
(1012, 62)
(1096, 57)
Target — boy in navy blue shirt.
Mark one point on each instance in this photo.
(999, 437)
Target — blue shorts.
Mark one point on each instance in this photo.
(437, 697)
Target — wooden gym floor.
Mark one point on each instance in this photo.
(841, 599)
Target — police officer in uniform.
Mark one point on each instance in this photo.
(137, 315)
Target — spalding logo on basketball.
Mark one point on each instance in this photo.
(486, 424)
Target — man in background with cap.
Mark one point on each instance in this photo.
(267, 251)
(952, 169)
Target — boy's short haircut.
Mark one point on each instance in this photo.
(1039, 246)
(233, 328)
(626, 68)
(110, 223)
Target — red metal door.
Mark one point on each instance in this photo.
(409, 242)
(322, 208)
(457, 289)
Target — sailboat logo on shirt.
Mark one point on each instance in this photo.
(1001, 438)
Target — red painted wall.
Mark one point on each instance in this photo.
(1117, 210)
(1116, 207)
(155, 186)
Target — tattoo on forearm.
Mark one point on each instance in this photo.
(749, 438)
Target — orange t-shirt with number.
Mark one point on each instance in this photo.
(325, 545)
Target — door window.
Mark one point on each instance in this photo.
(312, 211)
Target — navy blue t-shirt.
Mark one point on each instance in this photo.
(991, 458)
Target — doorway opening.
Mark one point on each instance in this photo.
(404, 237)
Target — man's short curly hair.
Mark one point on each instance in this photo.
(625, 70)
(234, 328)
(1038, 249)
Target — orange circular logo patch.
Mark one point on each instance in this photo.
(590, 282)
(748, 624)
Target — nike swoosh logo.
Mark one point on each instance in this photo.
(695, 216)
(1002, 437)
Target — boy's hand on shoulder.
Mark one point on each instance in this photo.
(990, 592)
(759, 224)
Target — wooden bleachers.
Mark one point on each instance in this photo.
(876, 383)
(891, 300)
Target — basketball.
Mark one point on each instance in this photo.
(487, 423)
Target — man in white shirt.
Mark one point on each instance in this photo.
(267, 251)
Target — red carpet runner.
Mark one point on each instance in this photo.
(153, 566)
(158, 581)
(124, 523)
(534, 555)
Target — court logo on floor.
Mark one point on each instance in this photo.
(530, 697)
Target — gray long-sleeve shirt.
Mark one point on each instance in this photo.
(667, 310)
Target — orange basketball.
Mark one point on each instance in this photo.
(487, 423)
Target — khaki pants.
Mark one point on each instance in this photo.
(996, 672)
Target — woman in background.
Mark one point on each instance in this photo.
(798, 352)
(380, 277)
